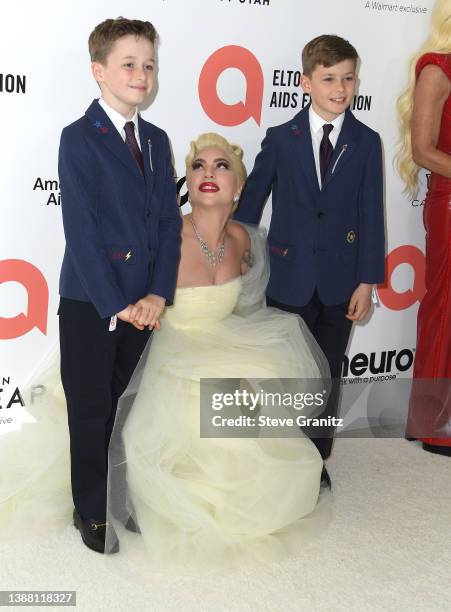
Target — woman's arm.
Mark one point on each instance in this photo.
(431, 92)
(246, 257)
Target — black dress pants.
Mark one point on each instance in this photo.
(331, 329)
(96, 367)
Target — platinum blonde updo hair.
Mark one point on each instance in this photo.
(233, 151)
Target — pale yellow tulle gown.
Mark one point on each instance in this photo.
(214, 500)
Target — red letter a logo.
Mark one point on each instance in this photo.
(231, 114)
(34, 282)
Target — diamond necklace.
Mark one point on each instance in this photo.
(214, 259)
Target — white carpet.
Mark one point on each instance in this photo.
(388, 548)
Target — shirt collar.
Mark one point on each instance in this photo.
(117, 119)
(317, 122)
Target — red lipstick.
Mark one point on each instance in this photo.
(208, 187)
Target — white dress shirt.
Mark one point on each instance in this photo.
(316, 130)
(119, 121)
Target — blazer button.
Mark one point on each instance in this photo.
(350, 237)
(147, 212)
(320, 214)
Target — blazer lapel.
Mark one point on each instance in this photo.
(110, 137)
(344, 149)
(301, 142)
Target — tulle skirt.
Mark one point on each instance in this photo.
(214, 501)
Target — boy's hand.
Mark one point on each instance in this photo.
(360, 302)
(124, 315)
(147, 311)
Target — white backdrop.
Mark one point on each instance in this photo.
(45, 84)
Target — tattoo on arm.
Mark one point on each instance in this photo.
(247, 259)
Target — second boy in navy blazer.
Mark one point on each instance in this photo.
(326, 237)
(122, 228)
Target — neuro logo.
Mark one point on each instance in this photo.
(25, 273)
(378, 363)
(406, 254)
(243, 60)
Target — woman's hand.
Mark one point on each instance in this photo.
(124, 315)
(147, 311)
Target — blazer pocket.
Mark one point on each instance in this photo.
(281, 251)
(125, 254)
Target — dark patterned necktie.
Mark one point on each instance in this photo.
(325, 150)
(130, 139)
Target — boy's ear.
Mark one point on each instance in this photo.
(97, 71)
(306, 83)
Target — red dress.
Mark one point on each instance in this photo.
(430, 402)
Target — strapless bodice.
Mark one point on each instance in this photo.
(199, 306)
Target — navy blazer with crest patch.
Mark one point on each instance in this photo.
(330, 238)
(122, 229)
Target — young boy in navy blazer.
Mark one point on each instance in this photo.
(326, 237)
(122, 227)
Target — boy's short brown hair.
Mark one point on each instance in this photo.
(326, 50)
(103, 37)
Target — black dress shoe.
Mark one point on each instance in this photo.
(93, 534)
(437, 449)
(325, 479)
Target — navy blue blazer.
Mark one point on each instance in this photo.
(332, 238)
(122, 229)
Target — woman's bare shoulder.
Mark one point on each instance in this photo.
(239, 233)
